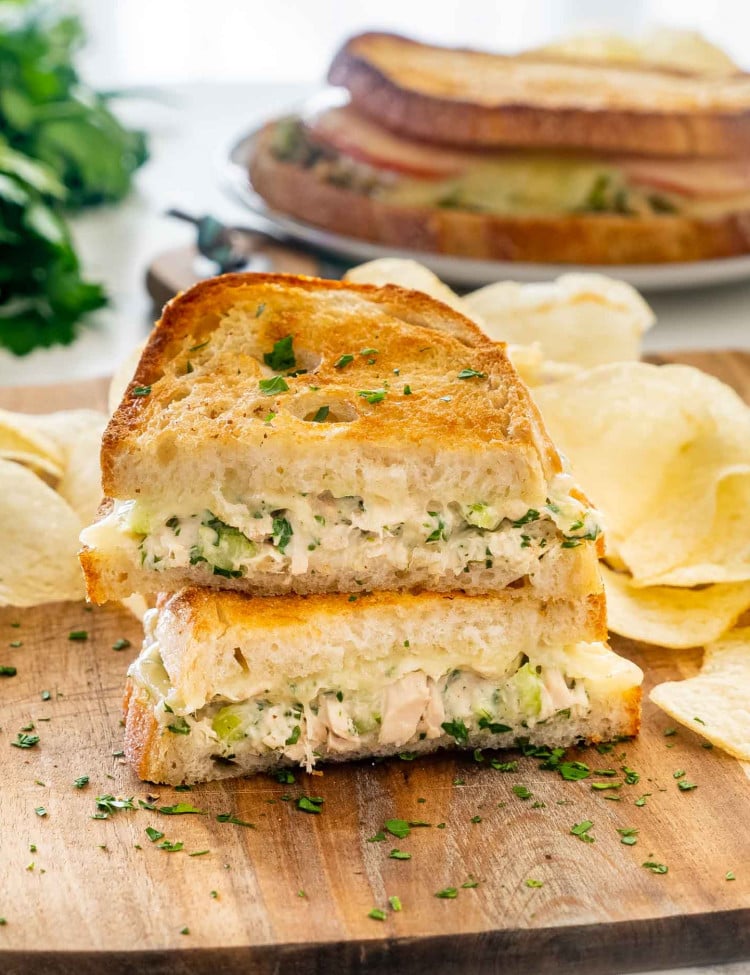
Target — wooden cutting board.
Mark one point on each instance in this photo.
(293, 893)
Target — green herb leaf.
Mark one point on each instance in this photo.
(154, 834)
(321, 414)
(121, 644)
(179, 727)
(399, 855)
(457, 729)
(78, 635)
(140, 391)
(581, 830)
(294, 737)
(229, 818)
(81, 781)
(447, 893)
(310, 804)
(344, 361)
(181, 809)
(282, 356)
(25, 741)
(471, 374)
(270, 387)
(372, 395)
(655, 867)
(534, 883)
(8, 671)
(398, 828)
(685, 786)
(377, 914)
(395, 902)
(282, 533)
(522, 792)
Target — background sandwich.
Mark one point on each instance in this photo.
(536, 157)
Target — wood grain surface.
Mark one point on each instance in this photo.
(292, 894)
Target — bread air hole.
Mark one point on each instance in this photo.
(321, 407)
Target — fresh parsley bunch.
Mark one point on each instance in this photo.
(60, 148)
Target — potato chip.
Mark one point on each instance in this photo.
(22, 441)
(580, 319)
(38, 556)
(672, 617)
(716, 703)
(406, 274)
(664, 452)
(79, 434)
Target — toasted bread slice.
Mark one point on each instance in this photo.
(288, 434)
(228, 685)
(580, 238)
(473, 98)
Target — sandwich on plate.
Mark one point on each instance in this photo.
(286, 434)
(229, 684)
(538, 157)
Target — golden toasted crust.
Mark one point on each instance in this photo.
(197, 383)
(597, 238)
(475, 98)
(141, 733)
(203, 610)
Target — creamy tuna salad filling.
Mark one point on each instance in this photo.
(321, 716)
(236, 538)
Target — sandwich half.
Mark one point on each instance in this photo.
(230, 685)
(294, 435)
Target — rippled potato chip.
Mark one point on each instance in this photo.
(715, 703)
(22, 441)
(581, 320)
(664, 452)
(39, 554)
(673, 617)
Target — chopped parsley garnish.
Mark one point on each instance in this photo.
(494, 727)
(447, 893)
(457, 729)
(46, 695)
(25, 741)
(294, 737)
(198, 853)
(121, 644)
(282, 533)
(8, 671)
(530, 882)
(179, 727)
(344, 361)
(140, 391)
(469, 373)
(655, 867)
(78, 635)
(504, 766)
(679, 773)
(699, 720)
(310, 804)
(399, 855)
(109, 804)
(438, 534)
(81, 781)
(197, 348)
(372, 395)
(40, 811)
(668, 732)
(522, 792)
(470, 884)
(377, 914)
(171, 847)
(631, 776)
(15, 644)
(602, 786)
(628, 836)
(531, 515)
(476, 819)
(270, 387)
(229, 818)
(269, 416)
(181, 809)
(184, 930)
(154, 834)
(685, 786)
(395, 901)
(581, 830)
(377, 838)
(407, 390)
(641, 800)
(284, 776)
(573, 771)
(398, 828)
(282, 355)
(321, 414)
(729, 875)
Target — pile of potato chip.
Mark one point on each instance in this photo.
(664, 454)
(51, 487)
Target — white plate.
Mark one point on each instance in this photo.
(466, 272)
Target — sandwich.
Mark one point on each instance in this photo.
(536, 158)
(229, 684)
(292, 435)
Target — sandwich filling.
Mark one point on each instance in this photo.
(400, 700)
(310, 532)
(345, 149)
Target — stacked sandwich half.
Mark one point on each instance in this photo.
(361, 537)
